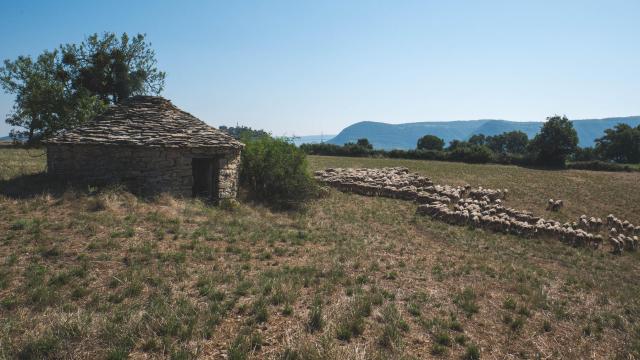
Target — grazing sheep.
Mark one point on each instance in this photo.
(616, 245)
(554, 205)
(479, 207)
(630, 242)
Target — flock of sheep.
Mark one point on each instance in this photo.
(479, 207)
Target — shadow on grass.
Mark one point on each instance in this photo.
(32, 185)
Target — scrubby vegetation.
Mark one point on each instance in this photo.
(275, 172)
(97, 273)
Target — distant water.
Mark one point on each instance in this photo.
(311, 139)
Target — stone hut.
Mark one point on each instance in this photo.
(151, 146)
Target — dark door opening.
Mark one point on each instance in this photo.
(205, 178)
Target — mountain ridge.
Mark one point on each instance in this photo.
(405, 136)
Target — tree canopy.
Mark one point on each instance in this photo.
(455, 144)
(557, 140)
(512, 142)
(478, 139)
(620, 144)
(65, 87)
(44, 102)
(430, 142)
(243, 132)
(113, 68)
(364, 143)
(515, 142)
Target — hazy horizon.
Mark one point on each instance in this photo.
(305, 68)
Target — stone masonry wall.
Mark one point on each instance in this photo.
(144, 170)
(228, 180)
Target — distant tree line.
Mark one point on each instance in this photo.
(243, 132)
(555, 146)
(64, 87)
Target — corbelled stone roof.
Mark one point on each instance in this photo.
(147, 121)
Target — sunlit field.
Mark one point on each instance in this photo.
(101, 273)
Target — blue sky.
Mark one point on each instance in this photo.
(310, 67)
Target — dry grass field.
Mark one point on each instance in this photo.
(99, 273)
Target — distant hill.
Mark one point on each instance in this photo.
(405, 136)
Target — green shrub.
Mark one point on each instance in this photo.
(260, 311)
(393, 328)
(274, 171)
(315, 322)
(466, 300)
(585, 154)
(246, 342)
(509, 303)
(40, 348)
(475, 154)
(472, 352)
(443, 338)
(419, 154)
(438, 350)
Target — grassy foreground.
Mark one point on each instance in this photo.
(104, 274)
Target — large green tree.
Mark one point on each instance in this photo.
(63, 88)
(430, 142)
(112, 67)
(477, 139)
(364, 143)
(620, 144)
(512, 142)
(44, 102)
(515, 142)
(555, 142)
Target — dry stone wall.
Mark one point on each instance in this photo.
(144, 170)
(228, 180)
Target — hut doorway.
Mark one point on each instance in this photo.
(205, 178)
